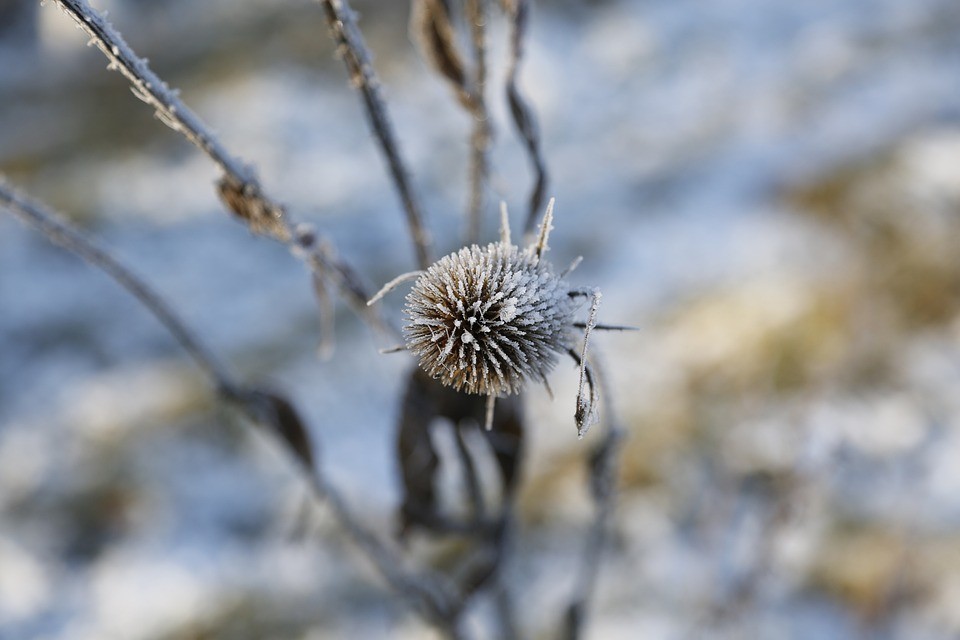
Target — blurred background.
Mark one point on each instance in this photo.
(770, 191)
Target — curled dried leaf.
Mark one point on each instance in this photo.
(246, 202)
(431, 27)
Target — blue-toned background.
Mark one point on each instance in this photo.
(769, 190)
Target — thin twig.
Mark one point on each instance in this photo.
(356, 56)
(476, 15)
(604, 464)
(430, 594)
(148, 87)
(434, 597)
(239, 188)
(523, 117)
(61, 233)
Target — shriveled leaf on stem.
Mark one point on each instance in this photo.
(245, 201)
(275, 412)
(431, 26)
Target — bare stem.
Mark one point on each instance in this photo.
(431, 596)
(61, 233)
(523, 117)
(154, 91)
(356, 56)
(476, 14)
(603, 475)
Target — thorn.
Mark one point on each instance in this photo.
(390, 286)
(573, 265)
(504, 225)
(397, 348)
(606, 327)
(545, 228)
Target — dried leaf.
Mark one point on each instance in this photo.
(432, 29)
(246, 202)
(278, 414)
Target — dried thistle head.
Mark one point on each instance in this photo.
(487, 320)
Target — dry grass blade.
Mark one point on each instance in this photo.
(355, 54)
(523, 117)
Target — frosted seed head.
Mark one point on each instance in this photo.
(486, 320)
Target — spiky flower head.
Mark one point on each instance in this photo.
(485, 320)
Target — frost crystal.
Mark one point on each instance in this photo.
(485, 320)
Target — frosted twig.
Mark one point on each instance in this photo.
(61, 233)
(504, 225)
(573, 265)
(397, 348)
(152, 90)
(239, 188)
(351, 47)
(545, 228)
(393, 284)
(606, 327)
(476, 15)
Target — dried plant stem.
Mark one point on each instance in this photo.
(152, 90)
(239, 187)
(604, 464)
(61, 233)
(356, 56)
(430, 594)
(476, 15)
(433, 597)
(523, 117)
(471, 478)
